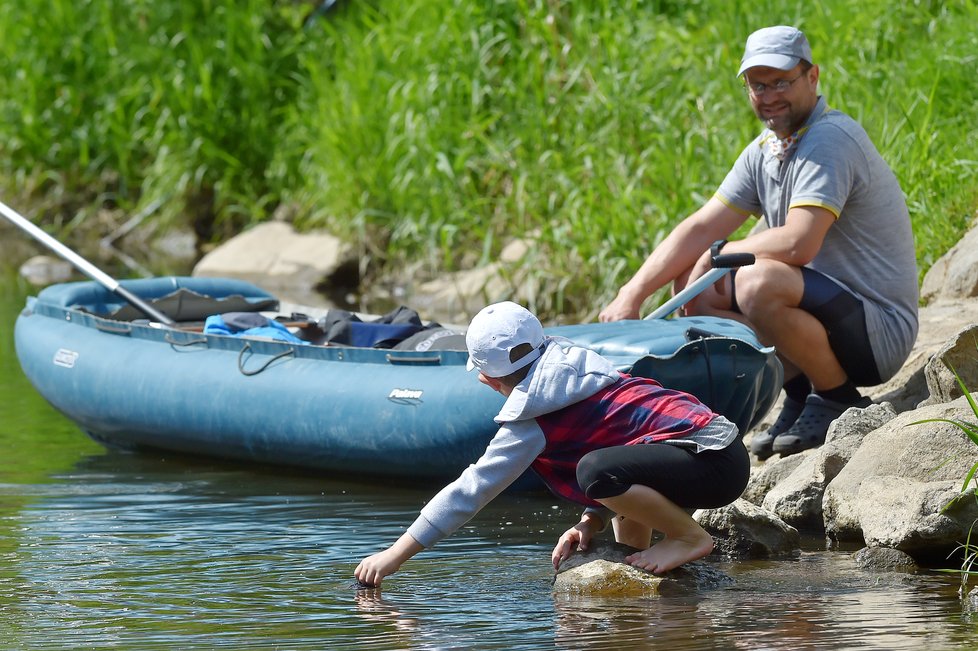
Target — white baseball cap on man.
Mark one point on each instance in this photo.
(495, 331)
(780, 47)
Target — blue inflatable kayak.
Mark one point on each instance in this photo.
(346, 409)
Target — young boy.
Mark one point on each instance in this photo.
(611, 442)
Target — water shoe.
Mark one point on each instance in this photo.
(761, 445)
(809, 430)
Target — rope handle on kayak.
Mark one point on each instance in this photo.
(247, 347)
(405, 359)
(173, 341)
(113, 328)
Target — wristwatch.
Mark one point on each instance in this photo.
(716, 246)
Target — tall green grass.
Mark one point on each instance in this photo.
(129, 101)
(432, 133)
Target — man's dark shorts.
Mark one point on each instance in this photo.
(842, 314)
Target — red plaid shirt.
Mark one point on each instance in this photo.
(633, 410)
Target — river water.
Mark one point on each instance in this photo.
(109, 550)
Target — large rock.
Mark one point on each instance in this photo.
(927, 452)
(745, 530)
(882, 559)
(958, 355)
(955, 274)
(601, 571)
(601, 578)
(765, 476)
(939, 322)
(797, 499)
(911, 516)
(277, 258)
(43, 270)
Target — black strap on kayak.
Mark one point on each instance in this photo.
(695, 334)
(173, 341)
(247, 347)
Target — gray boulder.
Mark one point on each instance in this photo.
(883, 559)
(927, 452)
(910, 516)
(797, 499)
(44, 270)
(601, 571)
(745, 530)
(959, 353)
(277, 258)
(955, 274)
(765, 476)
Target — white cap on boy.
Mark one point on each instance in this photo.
(495, 331)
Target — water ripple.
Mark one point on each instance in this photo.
(160, 557)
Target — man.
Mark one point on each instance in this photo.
(834, 288)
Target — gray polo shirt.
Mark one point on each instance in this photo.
(870, 247)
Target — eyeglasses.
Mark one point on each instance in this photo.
(757, 89)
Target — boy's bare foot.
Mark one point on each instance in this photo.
(670, 553)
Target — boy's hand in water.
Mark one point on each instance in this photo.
(577, 538)
(372, 570)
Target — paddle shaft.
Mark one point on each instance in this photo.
(83, 265)
(722, 265)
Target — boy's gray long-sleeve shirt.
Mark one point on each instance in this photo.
(563, 375)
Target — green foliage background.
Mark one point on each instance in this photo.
(431, 133)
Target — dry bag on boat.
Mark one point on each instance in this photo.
(348, 329)
(720, 361)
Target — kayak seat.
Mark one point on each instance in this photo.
(187, 305)
(180, 298)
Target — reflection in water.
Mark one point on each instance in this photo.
(827, 605)
(372, 608)
(645, 623)
(110, 550)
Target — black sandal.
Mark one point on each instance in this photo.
(761, 446)
(812, 425)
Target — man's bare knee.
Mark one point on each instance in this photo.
(767, 286)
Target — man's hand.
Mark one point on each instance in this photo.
(623, 307)
(703, 264)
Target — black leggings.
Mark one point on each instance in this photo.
(704, 480)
